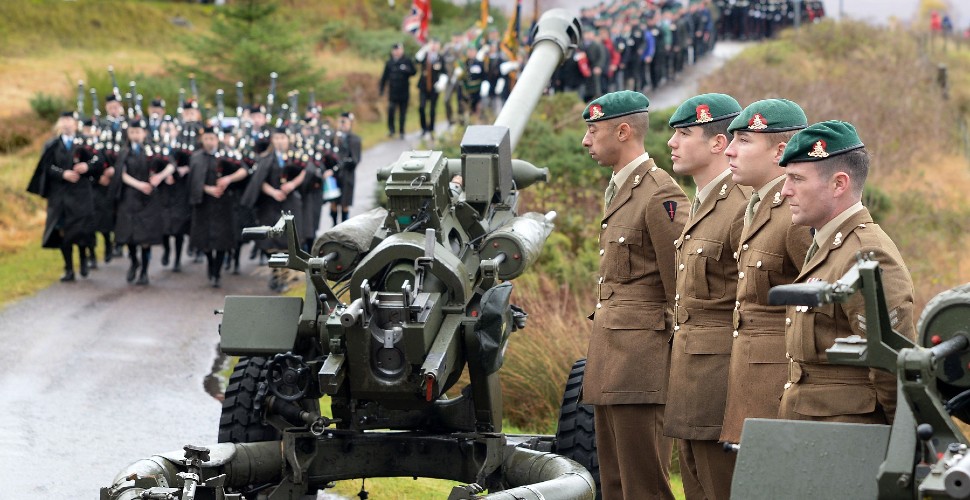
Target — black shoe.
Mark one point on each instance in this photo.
(107, 255)
(177, 268)
(93, 264)
(253, 253)
(235, 270)
(143, 279)
(84, 267)
(215, 282)
(402, 136)
(68, 276)
(198, 258)
(165, 259)
(132, 271)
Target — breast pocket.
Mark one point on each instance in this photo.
(625, 251)
(705, 272)
(761, 269)
(813, 331)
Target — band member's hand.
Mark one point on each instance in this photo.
(279, 195)
(71, 176)
(327, 173)
(170, 180)
(223, 182)
(214, 191)
(104, 180)
(155, 180)
(81, 168)
(182, 171)
(146, 188)
(109, 172)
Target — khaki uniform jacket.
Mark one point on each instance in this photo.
(817, 390)
(772, 253)
(707, 280)
(629, 352)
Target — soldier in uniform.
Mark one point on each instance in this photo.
(397, 71)
(213, 204)
(707, 280)
(66, 184)
(432, 68)
(772, 253)
(826, 165)
(137, 176)
(629, 350)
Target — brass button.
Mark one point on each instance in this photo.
(787, 385)
(758, 264)
(604, 225)
(687, 237)
(677, 297)
(787, 321)
(621, 240)
(602, 251)
(599, 305)
(676, 328)
(601, 279)
(681, 267)
(788, 355)
(735, 256)
(741, 275)
(744, 247)
(737, 304)
(676, 242)
(700, 250)
(735, 334)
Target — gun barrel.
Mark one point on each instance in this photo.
(555, 35)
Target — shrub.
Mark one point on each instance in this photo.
(48, 107)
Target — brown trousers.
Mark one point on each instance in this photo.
(633, 453)
(706, 469)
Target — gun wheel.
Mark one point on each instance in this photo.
(241, 422)
(576, 433)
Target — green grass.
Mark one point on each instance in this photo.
(26, 271)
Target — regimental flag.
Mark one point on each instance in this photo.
(510, 42)
(484, 15)
(416, 22)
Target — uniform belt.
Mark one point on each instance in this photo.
(644, 293)
(815, 373)
(760, 320)
(701, 317)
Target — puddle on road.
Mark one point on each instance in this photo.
(216, 381)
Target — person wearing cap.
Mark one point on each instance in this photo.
(348, 154)
(826, 165)
(628, 356)
(156, 115)
(114, 114)
(134, 185)
(397, 71)
(707, 280)
(213, 203)
(772, 253)
(64, 181)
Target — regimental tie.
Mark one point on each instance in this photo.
(610, 193)
(695, 206)
(749, 214)
(811, 251)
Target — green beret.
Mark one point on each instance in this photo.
(614, 105)
(705, 108)
(770, 115)
(820, 141)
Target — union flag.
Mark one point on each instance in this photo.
(416, 22)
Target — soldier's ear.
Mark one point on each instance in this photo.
(719, 144)
(779, 149)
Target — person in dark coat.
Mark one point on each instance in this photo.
(137, 176)
(397, 71)
(92, 152)
(349, 151)
(432, 71)
(65, 183)
(213, 203)
(174, 192)
(273, 190)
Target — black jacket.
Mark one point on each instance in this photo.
(395, 77)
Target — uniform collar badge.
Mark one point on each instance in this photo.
(723, 190)
(703, 113)
(838, 239)
(777, 199)
(818, 151)
(636, 180)
(757, 122)
(596, 112)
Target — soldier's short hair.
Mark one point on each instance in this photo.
(854, 163)
(639, 123)
(713, 129)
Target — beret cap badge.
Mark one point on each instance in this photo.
(818, 150)
(596, 112)
(758, 122)
(704, 113)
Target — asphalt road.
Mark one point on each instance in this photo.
(98, 373)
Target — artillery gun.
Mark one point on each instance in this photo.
(428, 296)
(922, 455)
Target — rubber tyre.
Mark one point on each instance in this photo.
(576, 432)
(240, 423)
